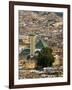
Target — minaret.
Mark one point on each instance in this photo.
(32, 43)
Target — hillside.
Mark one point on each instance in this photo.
(48, 25)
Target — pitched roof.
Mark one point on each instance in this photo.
(41, 44)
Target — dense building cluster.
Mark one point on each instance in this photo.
(40, 29)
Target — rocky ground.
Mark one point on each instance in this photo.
(39, 73)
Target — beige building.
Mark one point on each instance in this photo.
(57, 60)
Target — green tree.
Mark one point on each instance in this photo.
(44, 57)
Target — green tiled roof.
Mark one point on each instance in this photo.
(41, 44)
(26, 51)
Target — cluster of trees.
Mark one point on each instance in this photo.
(44, 57)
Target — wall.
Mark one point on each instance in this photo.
(4, 45)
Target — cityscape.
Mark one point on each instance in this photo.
(40, 44)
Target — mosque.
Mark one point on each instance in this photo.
(34, 45)
(37, 46)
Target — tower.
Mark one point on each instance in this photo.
(32, 44)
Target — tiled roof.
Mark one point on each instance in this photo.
(41, 44)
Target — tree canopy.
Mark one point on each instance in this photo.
(45, 57)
